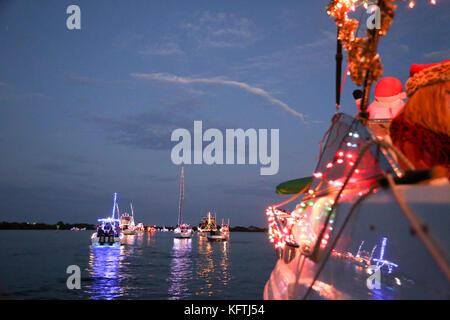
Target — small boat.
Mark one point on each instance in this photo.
(140, 227)
(216, 236)
(182, 230)
(127, 222)
(108, 231)
(164, 229)
(225, 228)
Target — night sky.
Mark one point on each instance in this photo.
(86, 113)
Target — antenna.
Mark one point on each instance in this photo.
(359, 249)
(371, 253)
(131, 206)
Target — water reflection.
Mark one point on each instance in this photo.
(148, 239)
(129, 239)
(104, 269)
(213, 268)
(180, 269)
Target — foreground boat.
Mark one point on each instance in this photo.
(315, 242)
(108, 232)
(368, 226)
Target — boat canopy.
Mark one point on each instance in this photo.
(293, 186)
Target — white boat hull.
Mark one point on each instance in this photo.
(105, 240)
(216, 238)
(342, 276)
(183, 235)
(128, 232)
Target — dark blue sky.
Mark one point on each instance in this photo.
(89, 112)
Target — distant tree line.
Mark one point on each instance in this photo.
(43, 226)
(67, 226)
(247, 229)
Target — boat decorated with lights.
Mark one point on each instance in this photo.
(140, 227)
(108, 231)
(366, 224)
(127, 222)
(182, 230)
(225, 228)
(221, 234)
(207, 224)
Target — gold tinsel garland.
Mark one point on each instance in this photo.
(362, 53)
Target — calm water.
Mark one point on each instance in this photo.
(148, 266)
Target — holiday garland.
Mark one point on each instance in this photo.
(362, 54)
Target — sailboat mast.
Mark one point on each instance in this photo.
(114, 206)
(180, 206)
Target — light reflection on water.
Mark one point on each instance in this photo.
(180, 269)
(207, 269)
(213, 269)
(104, 269)
(146, 266)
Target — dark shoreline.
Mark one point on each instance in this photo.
(43, 226)
(67, 226)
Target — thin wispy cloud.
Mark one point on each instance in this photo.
(11, 93)
(82, 80)
(164, 49)
(439, 55)
(242, 85)
(221, 30)
(309, 54)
